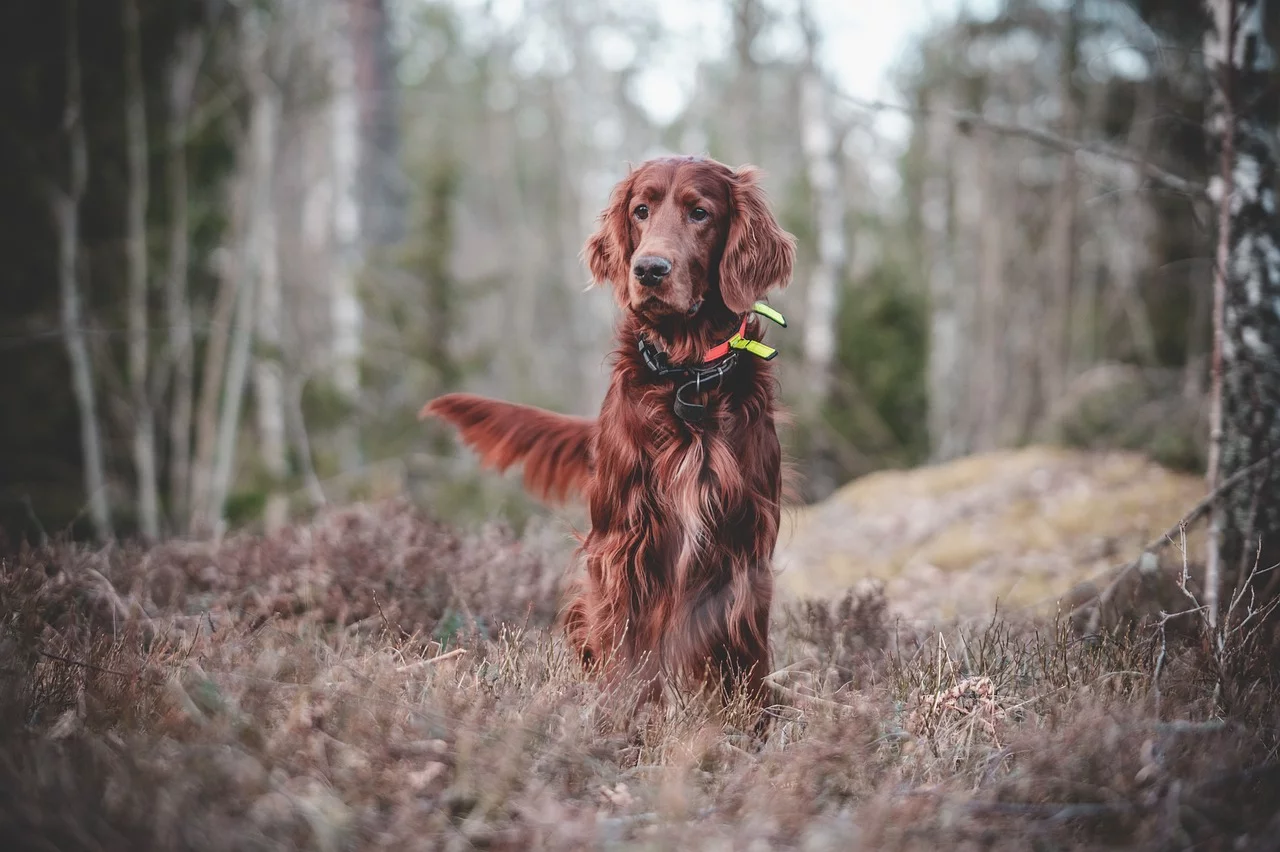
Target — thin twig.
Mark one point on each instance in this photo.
(386, 625)
(797, 695)
(1165, 618)
(194, 638)
(93, 666)
(449, 655)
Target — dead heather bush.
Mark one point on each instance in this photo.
(367, 567)
(376, 681)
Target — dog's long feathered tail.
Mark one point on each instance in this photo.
(555, 449)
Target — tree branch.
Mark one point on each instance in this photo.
(966, 120)
(1159, 542)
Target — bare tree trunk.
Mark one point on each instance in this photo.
(296, 423)
(564, 99)
(824, 280)
(521, 322)
(821, 159)
(268, 372)
(820, 144)
(232, 398)
(1055, 351)
(182, 78)
(215, 363)
(256, 261)
(137, 188)
(972, 310)
(1127, 240)
(991, 401)
(346, 313)
(949, 304)
(748, 21)
(380, 184)
(1246, 427)
(66, 213)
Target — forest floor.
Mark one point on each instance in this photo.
(375, 680)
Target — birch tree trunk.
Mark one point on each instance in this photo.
(182, 79)
(137, 188)
(65, 205)
(1246, 430)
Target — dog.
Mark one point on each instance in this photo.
(682, 469)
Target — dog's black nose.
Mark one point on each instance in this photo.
(650, 270)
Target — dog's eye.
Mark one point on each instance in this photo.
(699, 214)
(642, 212)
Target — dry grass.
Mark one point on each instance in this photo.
(373, 680)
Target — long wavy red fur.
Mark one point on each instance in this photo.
(684, 516)
(554, 449)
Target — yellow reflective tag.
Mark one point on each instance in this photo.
(765, 311)
(755, 347)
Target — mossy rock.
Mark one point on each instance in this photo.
(1022, 526)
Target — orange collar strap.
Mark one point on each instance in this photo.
(722, 349)
(740, 341)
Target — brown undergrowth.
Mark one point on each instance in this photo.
(373, 680)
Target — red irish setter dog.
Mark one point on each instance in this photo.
(681, 470)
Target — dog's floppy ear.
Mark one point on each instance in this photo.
(608, 250)
(758, 254)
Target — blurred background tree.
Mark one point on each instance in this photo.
(245, 240)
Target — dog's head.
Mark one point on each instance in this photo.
(684, 234)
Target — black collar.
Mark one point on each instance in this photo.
(717, 363)
(702, 377)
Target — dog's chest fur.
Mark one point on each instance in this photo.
(695, 477)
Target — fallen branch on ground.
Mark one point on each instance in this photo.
(449, 655)
(1165, 538)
